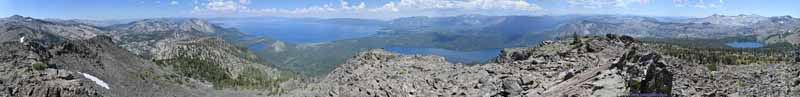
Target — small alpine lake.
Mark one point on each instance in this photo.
(745, 44)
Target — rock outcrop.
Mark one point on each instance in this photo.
(49, 82)
(797, 56)
(24, 74)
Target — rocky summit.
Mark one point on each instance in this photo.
(593, 66)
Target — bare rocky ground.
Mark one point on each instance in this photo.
(594, 67)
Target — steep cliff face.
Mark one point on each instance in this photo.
(593, 66)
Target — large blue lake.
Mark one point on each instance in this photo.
(745, 44)
(478, 56)
(302, 32)
(256, 47)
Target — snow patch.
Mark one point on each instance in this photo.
(96, 80)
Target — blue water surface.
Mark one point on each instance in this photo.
(256, 47)
(304, 32)
(745, 44)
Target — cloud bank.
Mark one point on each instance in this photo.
(604, 3)
(405, 8)
(392, 9)
(174, 2)
(699, 3)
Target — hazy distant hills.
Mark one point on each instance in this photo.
(98, 23)
(40, 30)
(476, 23)
(777, 29)
(739, 20)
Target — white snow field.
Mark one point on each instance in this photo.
(96, 80)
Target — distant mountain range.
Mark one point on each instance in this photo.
(779, 29)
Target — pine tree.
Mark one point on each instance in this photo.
(589, 48)
(576, 37)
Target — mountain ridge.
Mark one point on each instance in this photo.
(131, 58)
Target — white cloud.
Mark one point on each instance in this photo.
(224, 5)
(174, 2)
(458, 4)
(699, 3)
(604, 3)
(391, 9)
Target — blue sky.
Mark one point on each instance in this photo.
(385, 9)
